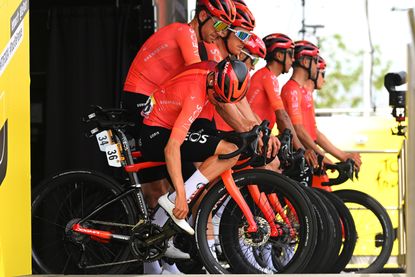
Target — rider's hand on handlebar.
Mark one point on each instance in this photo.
(311, 158)
(274, 145)
(356, 158)
(181, 208)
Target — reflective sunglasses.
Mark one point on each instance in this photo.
(254, 60)
(219, 26)
(242, 35)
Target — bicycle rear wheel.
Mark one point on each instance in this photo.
(238, 250)
(374, 232)
(61, 201)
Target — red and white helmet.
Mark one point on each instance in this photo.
(305, 48)
(244, 17)
(231, 81)
(224, 10)
(278, 41)
(256, 46)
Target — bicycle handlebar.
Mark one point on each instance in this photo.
(346, 171)
(248, 144)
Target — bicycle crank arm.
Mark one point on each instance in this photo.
(103, 236)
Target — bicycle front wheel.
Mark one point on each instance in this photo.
(61, 201)
(375, 233)
(225, 246)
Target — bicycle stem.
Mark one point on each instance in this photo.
(236, 195)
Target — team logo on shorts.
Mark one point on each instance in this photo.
(196, 137)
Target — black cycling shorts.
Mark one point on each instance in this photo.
(197, 146)
(135, 103)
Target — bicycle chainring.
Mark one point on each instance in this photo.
(144, 251)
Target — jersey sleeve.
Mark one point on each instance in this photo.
(191, 107)
(189, 47)
(273, 93)
(291, 99)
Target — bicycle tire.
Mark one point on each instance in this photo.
(62, 199)
(349, 235)
(267, 182)
(329, 233)
(384, 240)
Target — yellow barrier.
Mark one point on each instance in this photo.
(372, 137)
(15, 244)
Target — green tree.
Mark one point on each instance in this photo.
(344, 74)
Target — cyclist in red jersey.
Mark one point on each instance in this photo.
(170, 49)
(177, 104)
(297, 100)
(241, 117)
(321, 139)
(161, 57)
(253, 50)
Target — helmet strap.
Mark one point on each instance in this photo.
(283, 62)
(308, 69)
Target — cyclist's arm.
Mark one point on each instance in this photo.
(191, 107)
(306, 139)
(246, 111)
(284, 122)
(329, 147)
(173, 163)
(232, 115)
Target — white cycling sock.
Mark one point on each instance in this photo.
(160, 217)
(152, 268)
(192, 185)
(171, 268)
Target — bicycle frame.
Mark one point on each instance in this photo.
(135, 188)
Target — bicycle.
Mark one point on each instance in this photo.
(94, 224)
(382, 235)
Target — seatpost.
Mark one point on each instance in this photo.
(132, 175)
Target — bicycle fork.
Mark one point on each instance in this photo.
(261, 201)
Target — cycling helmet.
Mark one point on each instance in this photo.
(244, 18)
(277, 41)
(231, 81)
(256, 46)
(305, 48)
(224, 10)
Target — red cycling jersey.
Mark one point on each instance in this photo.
(161, 57)
(179, 101)
(299, 105)
(209, 52)
(264, 95)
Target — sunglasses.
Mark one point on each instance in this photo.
(254, 60)
(323, 73)
(219, 26)
(242, 35)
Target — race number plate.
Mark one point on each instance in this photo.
(113, 155)
(103, 139)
